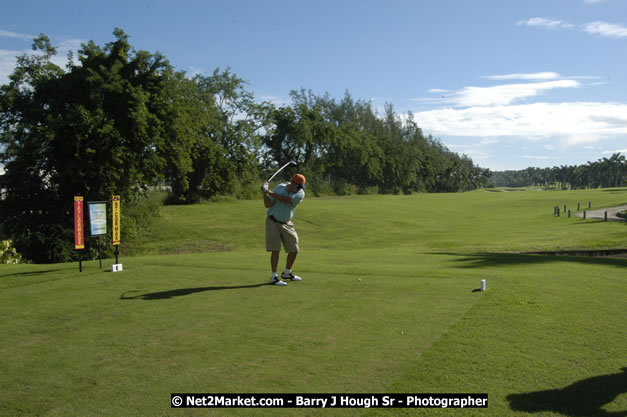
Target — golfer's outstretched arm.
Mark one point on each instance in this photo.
(279, 197)
(266, 200)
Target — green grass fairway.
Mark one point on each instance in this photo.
(192, 312)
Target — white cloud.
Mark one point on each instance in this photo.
(592, 1)
(8, 34)
(546, 23)
(600, 28)
(575, 122)
(476, 151)
(276, 100)
(430, 100)
(193, 71)
(381, 98)
(456, 146)
(68, 45)
(478, 155)
(610, 30)
(8, 59)
(507, 94)
(489, 141)
(584, 77)
(497, 121)
(438, 90)
(531, 76)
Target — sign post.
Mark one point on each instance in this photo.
(98, 222)
(116, 235)
(79, 232)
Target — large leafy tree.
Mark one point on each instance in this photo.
(223, 133)
(94, 130)
(214, 137)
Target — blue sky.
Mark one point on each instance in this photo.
(511, 84)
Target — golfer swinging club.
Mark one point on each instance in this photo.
(281, 203)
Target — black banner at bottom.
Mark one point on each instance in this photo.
(265, 400)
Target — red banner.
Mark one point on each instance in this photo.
(79, 233)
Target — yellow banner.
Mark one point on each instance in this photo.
(115, 212)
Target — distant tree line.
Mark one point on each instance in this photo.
(345, 146)
(116, 121)
(606, 172)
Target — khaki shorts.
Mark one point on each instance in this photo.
(277, 234)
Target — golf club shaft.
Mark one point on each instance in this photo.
(280, 169)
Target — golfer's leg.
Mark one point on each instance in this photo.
(274, 260)
(273, 243)
(290, 241)
(291, 257)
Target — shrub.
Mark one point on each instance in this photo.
(8, 254)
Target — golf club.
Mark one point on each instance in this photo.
(292, 163)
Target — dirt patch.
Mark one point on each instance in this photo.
(600, 213)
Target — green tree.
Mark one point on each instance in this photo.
(93, 130)
(219, 138)
(352, 155)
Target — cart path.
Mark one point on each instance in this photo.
(600, 213)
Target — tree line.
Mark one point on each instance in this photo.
(118, 121)
(346, 147)
(606, 172)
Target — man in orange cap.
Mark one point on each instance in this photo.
(281, 203)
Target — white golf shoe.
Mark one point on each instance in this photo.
(276, 281)
(291, 276)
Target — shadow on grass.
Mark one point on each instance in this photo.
(164, 295)
(26, 274)
(584, 398)
(481, 260)
(309, 221)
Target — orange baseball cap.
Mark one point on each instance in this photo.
(300, 180)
